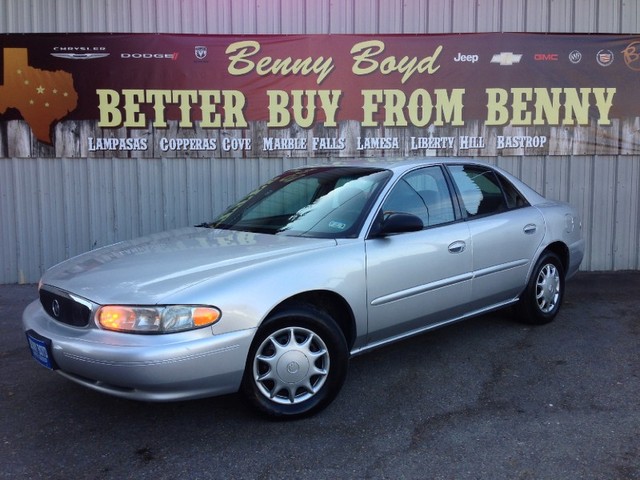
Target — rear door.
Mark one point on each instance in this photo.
(505, 231)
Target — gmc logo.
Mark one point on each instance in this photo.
(545, 57)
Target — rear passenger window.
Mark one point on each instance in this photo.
(481, 190)
(514, 198)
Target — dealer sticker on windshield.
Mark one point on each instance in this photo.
(40, 349)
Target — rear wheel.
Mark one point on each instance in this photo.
(541, 300)
(297, 363)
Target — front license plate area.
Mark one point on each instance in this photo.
(41, 349)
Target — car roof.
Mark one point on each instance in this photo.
(401, 165)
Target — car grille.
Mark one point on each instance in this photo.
(63, 308)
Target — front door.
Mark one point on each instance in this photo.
(419, 278)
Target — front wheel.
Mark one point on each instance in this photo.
(297, 363)
(541, 300)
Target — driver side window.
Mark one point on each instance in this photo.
(423, 193)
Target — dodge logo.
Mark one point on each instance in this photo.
(201, 52)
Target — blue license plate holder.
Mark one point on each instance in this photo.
(41, 349)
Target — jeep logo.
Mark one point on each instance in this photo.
(466, 58)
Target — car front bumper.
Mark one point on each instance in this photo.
(165, 367)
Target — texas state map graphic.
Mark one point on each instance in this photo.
(42, 97)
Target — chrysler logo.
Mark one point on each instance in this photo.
(80, 56)
(55, 308)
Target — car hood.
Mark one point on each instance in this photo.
(150, 269)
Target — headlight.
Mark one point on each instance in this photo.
(167, 319)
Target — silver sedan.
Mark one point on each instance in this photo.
(321, 263)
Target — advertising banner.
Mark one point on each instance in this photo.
(164, 95)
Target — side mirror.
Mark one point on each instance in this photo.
(400, 223)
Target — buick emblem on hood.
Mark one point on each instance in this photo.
(55, 308)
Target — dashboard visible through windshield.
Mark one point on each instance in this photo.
(328, 202)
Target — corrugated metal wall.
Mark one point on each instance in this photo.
(319, 16)
(51, 209)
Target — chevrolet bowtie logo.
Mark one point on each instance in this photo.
(506, 58)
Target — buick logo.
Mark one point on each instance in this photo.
(55, 308)
(575, 57)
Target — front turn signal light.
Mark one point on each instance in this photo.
(204, 316)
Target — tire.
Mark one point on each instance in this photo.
(541, 299)
(297, 363)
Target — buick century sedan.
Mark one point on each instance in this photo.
(274, 296)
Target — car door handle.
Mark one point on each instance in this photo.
(457, 247)
(530, 228)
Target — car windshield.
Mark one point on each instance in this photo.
(328, 202)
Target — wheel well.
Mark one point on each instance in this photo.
(562, 251)
(332, 303)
